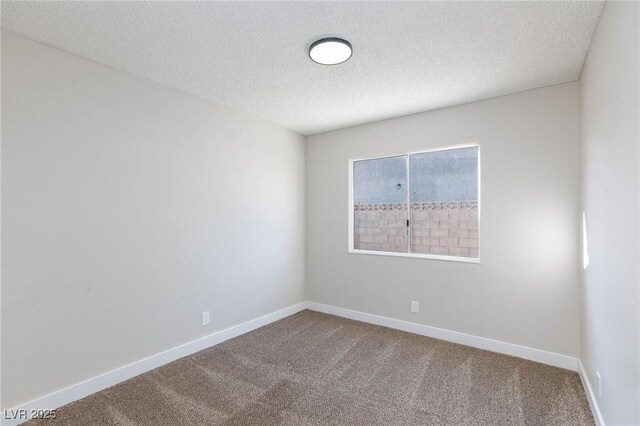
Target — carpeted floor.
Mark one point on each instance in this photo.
(317, 369)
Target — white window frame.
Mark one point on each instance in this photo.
(351, 217)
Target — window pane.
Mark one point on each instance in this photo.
(380, 204)
(444, 202)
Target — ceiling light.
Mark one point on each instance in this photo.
(330, 51)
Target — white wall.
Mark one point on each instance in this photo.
(610, 177)
(128, 209)
(526, 289)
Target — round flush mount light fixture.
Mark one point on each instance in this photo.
(330, 51)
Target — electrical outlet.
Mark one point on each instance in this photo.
(206, 318)
(415, 306)
(599, 384)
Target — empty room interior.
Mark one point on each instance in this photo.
(320, 213)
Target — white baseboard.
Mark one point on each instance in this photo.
(591, 397)
(80, 390)
(538, 355)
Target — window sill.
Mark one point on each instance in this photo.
(418, 256)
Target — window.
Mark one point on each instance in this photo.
(422, 204)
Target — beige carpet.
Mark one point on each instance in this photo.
(317, 369)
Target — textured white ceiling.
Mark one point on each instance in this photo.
(252, 56)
